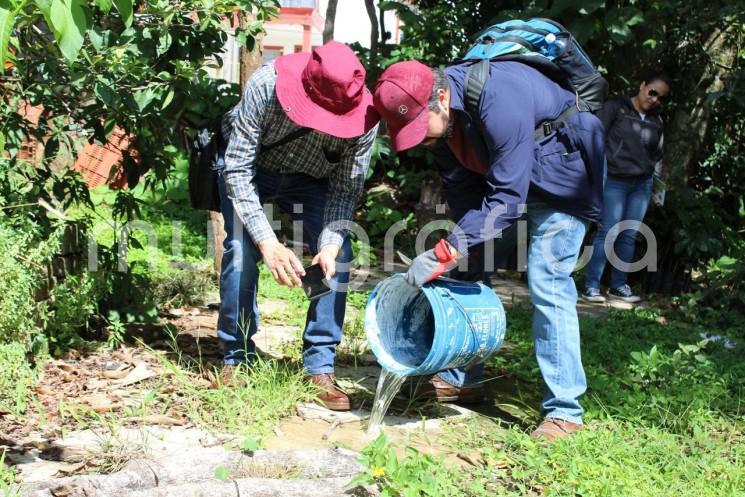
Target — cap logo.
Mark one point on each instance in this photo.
(402, 109)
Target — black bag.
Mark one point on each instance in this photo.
(203, 157)
(203, 176)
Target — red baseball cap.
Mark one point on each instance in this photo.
(401, 97)
(325, 90)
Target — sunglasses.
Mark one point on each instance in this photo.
(654, 93)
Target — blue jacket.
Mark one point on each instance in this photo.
(564, 170)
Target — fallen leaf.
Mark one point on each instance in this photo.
(69, 469)
(68, 367)
(42, 390)
(115, 374)
(99, 402)
(139, 373)
(472, 459)
(158, 419)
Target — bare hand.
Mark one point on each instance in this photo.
(326, 257)
(282, 262)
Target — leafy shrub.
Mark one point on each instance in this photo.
(667, 389)
(27, 316)
(16, 377)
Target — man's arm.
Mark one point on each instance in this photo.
(243, 148)
(240, 169)
(508, 123)
(608, 113)
(345, 188)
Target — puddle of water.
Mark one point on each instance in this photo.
(388, 386)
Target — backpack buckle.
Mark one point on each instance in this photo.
(547, 128)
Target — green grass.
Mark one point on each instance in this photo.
(664, 415)
(16, 378)
(251, 407)
(7, 479)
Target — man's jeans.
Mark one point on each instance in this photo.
(624, 199)
(303, 198)
(555, 239)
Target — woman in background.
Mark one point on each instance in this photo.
(633, 148)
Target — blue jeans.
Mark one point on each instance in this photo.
(555, 239)
(624, 199)
(239, 314)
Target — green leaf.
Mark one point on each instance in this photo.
(143, 98)
(69, 24)
(221, 473)
(164, 43)
(104, 5)
(105, 93)
(7, 20)
(249, 444)
(125, 10)
(58, 18)
(168, 99)
(2, 143)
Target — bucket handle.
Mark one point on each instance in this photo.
(446, 293)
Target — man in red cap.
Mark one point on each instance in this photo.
(500, 162)
(301, 136)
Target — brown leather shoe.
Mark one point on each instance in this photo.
(331, 397)
(229, 376)
(445, 392)
(553, 428)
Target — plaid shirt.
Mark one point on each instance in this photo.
(259, 118)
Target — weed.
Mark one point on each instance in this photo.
(256, 400)
(7, 479)
(414, 474)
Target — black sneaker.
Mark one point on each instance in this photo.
(593, 296)
(624, 294)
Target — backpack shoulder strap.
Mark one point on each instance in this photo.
(476, 77)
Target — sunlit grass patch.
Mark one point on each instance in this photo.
(250, 405)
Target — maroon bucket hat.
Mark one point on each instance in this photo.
(325, 90)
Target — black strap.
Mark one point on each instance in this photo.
(476, 77)
(548, 127)
(294, 135)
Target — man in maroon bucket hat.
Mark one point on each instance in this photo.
(523, 150)
(302, 137)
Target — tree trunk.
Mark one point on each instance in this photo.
(689, 127)
(372, 72)
(328, 26)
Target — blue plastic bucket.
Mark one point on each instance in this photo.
(445, 324)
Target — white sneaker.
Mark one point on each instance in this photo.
(593, 296)
(624, 294)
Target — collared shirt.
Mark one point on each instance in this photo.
(259, 119)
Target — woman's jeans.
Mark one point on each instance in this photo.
(303, 198)
(624, 199)
(555, 239)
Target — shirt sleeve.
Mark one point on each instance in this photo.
(658, 166)
(608, 112)
(345, 188)
(243, 148)
(508, 124)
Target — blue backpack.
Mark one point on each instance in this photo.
(545, 45)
